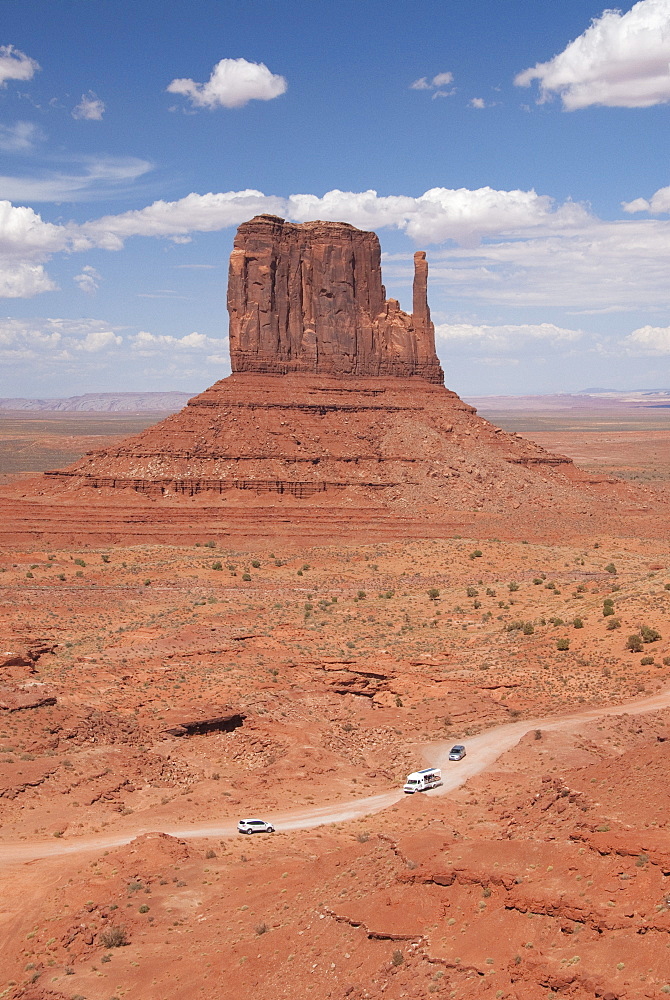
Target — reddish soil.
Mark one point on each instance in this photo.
(308, 656)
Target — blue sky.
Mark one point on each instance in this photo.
(523, 145)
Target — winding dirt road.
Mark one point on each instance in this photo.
(483, 750)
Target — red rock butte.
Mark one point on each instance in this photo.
(335, 420)
(309, 299)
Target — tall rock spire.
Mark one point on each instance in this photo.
(309, 298)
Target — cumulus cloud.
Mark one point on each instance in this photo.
(436, 82)
(26, 241)
(146, 344)
(99, 340)
(477, 102)
(440, 214)
(88, 279)
(232, 84)
(648, 340)
(22, 137)
(658, 204)
(505, 337)
(15, 65)
(90, 108)
(621, 60)
(177, 219)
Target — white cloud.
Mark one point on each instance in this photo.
(194, 213)
(88, 280)
(146, 344)
(504, 337)
(21, 137)
(55, 339)
(477, 102)
(658, 204)
(232, 84)
(26, 241)
(15, 65)
(648, 340)
(90, 108)
(98, 177)
(440, 214)
(438, 81)
(621, 60)
(99, 340)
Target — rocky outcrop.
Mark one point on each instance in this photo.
(309, 299)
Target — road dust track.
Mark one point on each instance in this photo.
(483, 750)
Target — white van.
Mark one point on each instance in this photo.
(421, 781)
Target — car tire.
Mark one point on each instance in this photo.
(271, 829)
(249, 832)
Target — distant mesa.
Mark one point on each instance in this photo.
(309, 299)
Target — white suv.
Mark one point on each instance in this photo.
(254, 826)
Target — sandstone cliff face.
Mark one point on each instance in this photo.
(309, 298)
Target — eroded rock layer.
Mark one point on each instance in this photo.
(309, 298)
(303, 435)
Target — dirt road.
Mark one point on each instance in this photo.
(482, 751)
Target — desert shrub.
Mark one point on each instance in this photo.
(256, 563)
(144, 908)
(398, 701)
(434, 593)
(113, 937)
(79, 562)
(556, 621)
(105, 559)
(246, 576)
(472, 592)
(490, 593)
(649, 634)
(613, 623)
(608, 602)
(513, 586)
(634, 643)
(578, 623)
(538, 734)
(262, 928)
(562, 644)
(397, 958)
(476, 554)
(667, 586)
(514, 626)
(210, 544)
(537, 581)
(647, 661)
(210, 854)
(361, 595)
(610, 568)
(608, 610)
(217, 565)
(581, 589)
(528, 628)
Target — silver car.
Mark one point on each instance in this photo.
(254, 826)
(457, 752)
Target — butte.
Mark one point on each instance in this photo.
(335, 423)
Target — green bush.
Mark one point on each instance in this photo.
(608, 610)
(634, 643)
(217, 565)
(528, 628)
(472, 592)
(476, 554)
(255, 563)
(649, 634)
(578, 623)
(613, 623)
(246, 576)
(647, 661)
(562, 644)
(434, 593)
(610, 568)
(513, 587)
